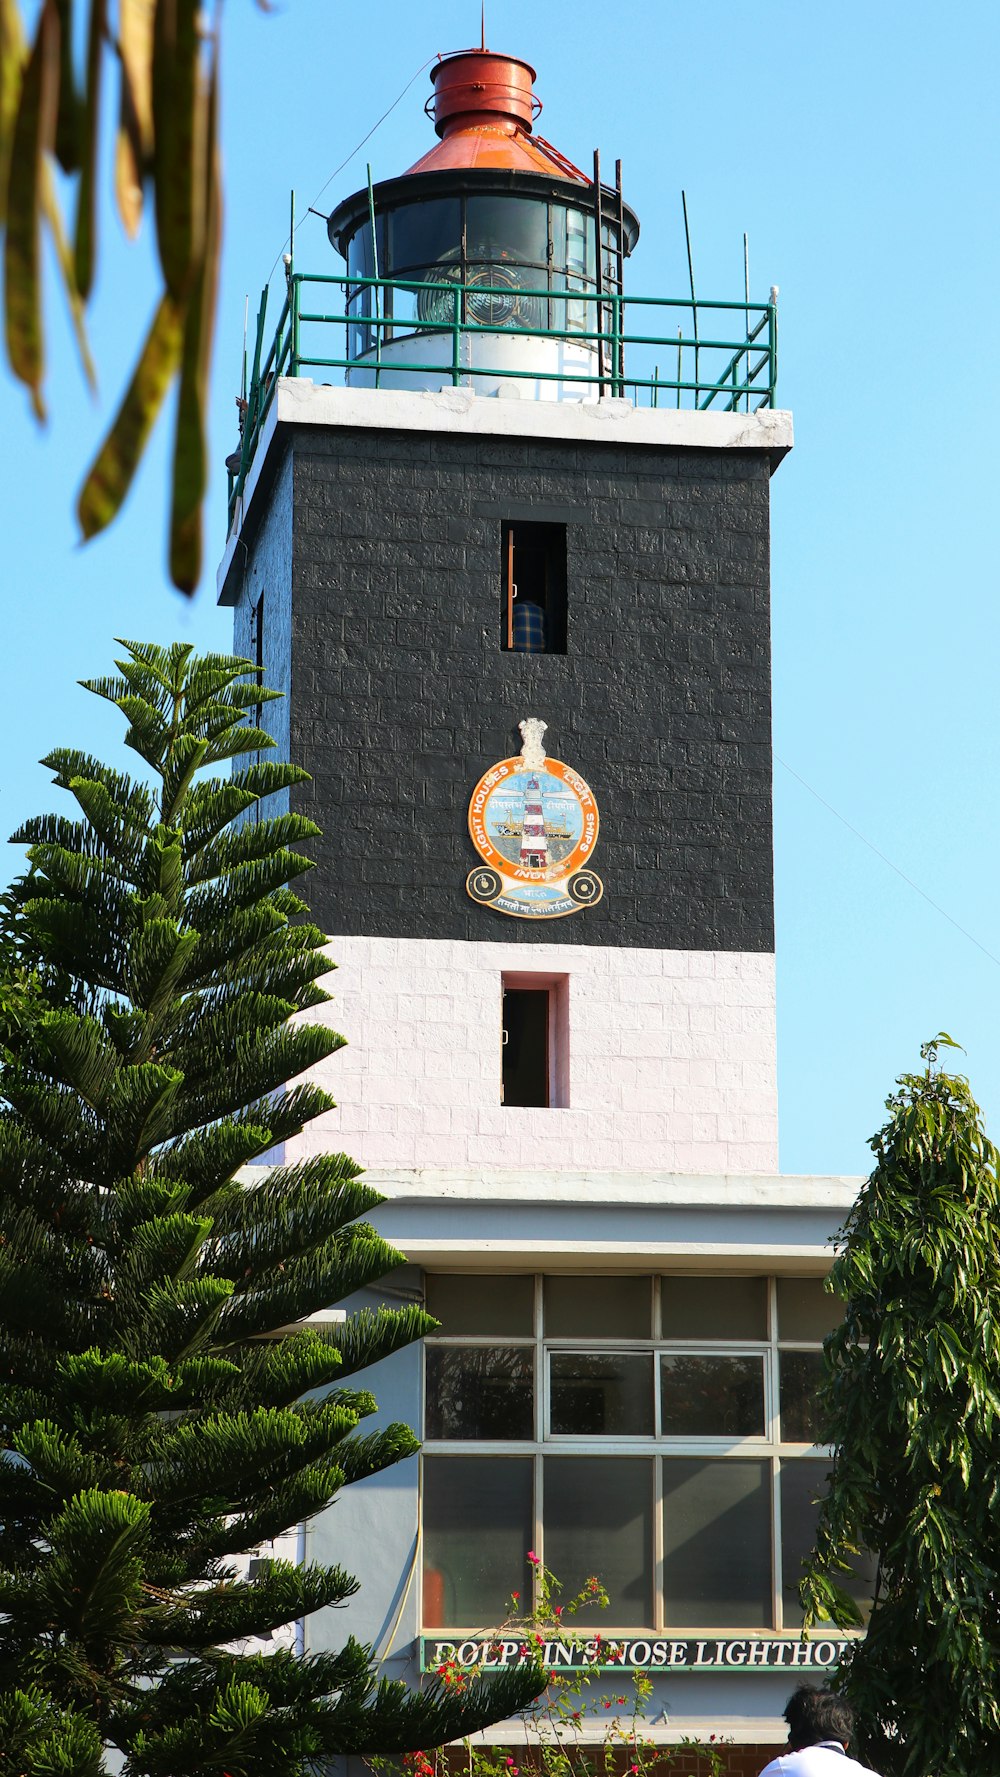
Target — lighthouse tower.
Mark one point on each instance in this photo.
(500, 531)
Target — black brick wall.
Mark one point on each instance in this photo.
(401, 696)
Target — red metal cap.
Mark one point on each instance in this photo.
(484, 109)
(477, 87)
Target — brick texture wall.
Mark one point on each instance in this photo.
(671, 1059)
(402, 697)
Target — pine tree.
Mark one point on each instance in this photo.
(158, 1417)
(912, 1396)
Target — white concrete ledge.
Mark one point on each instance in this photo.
(616, 1189)
(608, 421)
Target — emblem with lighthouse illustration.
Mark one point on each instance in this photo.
(534, 823)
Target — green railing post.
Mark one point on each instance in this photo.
(734, 368)
(293, 323)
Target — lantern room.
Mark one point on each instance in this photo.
(493, 256)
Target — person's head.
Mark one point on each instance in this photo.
(814, 1715)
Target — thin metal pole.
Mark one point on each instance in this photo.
(598, 229)
(694, 303)
(746, 295)
(680, 361)
(371, 221)
(293, 306)
(621, 273)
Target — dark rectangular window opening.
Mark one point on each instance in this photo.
(526, 1046)
(533, 588)
(257, 645)
(534, 1041)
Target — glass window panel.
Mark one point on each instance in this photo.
(477, 1517)
(800, 1374)
(711, 1396)
(580, 255)
(481, 1304)
(598, 1521)
(557, 236)
(708, 1308)
(717, 1543)
(803, 1483)
(501, 227)
(805, 1310)
(598, 1307)
(425, 234)
(496, 296)
(601, 1394)
(479, 1391)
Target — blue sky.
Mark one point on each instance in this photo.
(857, 145)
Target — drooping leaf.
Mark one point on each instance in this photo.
(190, 466)
(69, 114)
(34, 132)
(85, 241)
(13, 54)
(64, 258)
(179, 144)
(134, 144)
(111, 473)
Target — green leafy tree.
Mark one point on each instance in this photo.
(913, 1401)
(159, 1418)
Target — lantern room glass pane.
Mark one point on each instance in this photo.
(489, 1305)
(711, 1397)
(498, 227)
(580, 255)
(703, 1309)
(598, 1523)
(426, 234)
(480, 1391)
(601, 1394)
(477, 1532)
(598, 1307)
(716, 1543)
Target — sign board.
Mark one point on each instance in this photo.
(751, 1653)
(534, 823)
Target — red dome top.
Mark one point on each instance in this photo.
(484, 108)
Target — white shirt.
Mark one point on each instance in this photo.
(825, 1760)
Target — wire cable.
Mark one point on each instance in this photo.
(311, 208)
(881, 854)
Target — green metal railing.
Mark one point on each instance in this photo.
(720, 355)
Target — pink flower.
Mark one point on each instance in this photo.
(516, 1597)
(558, 1609)
(534, 1559)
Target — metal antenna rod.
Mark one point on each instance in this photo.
(746, 298)
(694, 305)
(246, 317)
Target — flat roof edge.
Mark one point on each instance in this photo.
(610, 420)
(460, 413)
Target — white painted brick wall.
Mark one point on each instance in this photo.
(672, 1059)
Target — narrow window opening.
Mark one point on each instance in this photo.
(534, 1042)
(257, 644)
(533, 603)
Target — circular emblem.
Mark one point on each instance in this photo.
(534, 823)
(585, 888)
(484, 885)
